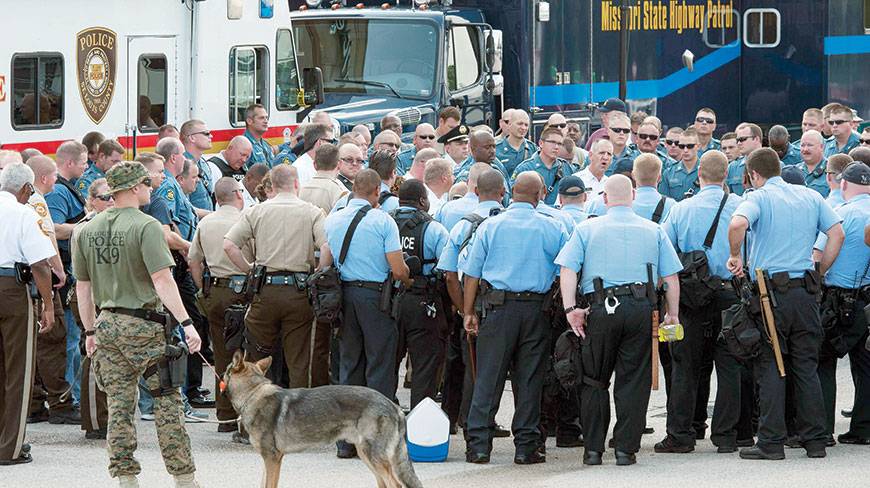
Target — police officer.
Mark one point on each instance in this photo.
(619, 127)
(776, 209)
(455, 144)
(513, 329)
(488, 193)
(846, 293)
(280, 315)
(778, 136)
(323, 190)
(572, 194)
(843, 137)
(614, 269)
(351, 161)
(196, 138)
(221, 286)
(452, 211)
(482, 146)
(365, 253)
(384, 164)
(833, 175)
(110, 153)
(648, 202)
(682, 177)
(421, 319)
(256, 125)
(122, 266)
(424, 138)
(21, 244)
(515, 148)
(748, 140)
(813, 166)
(547, 163)
(689, 227)
(705, 125)
(231, 161)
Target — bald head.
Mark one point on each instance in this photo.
(490, 184)
(285, 179)
(239, 143)
(528, 187)
(713, 168)
(367, 183)
(474, 173)
(618, 191)
(44, 173)
(226, 190)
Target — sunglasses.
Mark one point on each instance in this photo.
(206, 133)
(357, 162)
(620, 130)
(704, 120)
(864, 141)
(744, 138)
(431, 137)
(553, 142)
(560, 126)
(670, 142)
(837, 122)
(647, 137)
(331, 141)
(106, 198)
(686, 146)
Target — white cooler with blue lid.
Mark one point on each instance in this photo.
(428, 433)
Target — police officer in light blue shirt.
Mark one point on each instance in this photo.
(619, 257)
(256, 125)
(777, 137)
(682, 178)
(833, 171)
(845, 296)
(843, 138)
(182, 210)
(369, 337)
(785, 220)
(572, 195)
(513, 253)
(515, 148)
(109, 154)
(705, 125)
(548, 164)
(688, 227)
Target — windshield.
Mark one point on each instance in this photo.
(379, 56)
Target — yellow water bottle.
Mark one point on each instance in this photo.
(671, 332)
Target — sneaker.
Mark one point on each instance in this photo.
(194, 416)
(148, 417)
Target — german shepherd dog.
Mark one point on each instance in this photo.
(280, 421)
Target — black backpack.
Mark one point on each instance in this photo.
(696, 283)
(412, 225)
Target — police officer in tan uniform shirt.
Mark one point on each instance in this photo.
(222, 286)
(287, 231)
(324, 189)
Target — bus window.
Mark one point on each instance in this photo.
(761, 27)
(724, 31)
(463, 58)
(37, 91)
(151, 89)
(286, 77)
(248, 77)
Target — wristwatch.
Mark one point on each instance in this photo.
(571, 309)
(89, 333)
(186, 322)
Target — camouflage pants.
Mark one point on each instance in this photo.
(126, 346)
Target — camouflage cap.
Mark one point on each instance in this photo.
(125, 175)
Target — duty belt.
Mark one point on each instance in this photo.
(286, 279)
(638, 290)
(524, 296)
(229, 282)
(862, 293)
(149, 315)
(369, 285)
(7, 272)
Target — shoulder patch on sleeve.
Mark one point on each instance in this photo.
(81, 185)
(170, 195)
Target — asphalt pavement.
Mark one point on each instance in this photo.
(63, 458)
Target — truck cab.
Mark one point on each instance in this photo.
(406, 60)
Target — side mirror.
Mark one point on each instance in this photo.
(494, 50)
(689, 60)
(312, 86)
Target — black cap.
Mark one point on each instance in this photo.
(571, 186)
(455, 134)
(857, 173)
(613, 104)
(793, 175)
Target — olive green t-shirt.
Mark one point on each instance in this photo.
(117, 252)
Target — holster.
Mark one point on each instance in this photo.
(24, 276)
(206, 282)
(386, 300)
(234, 326)
(741, 323)
(172, 367)
(256, 279)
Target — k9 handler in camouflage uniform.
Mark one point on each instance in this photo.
(122, 265)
